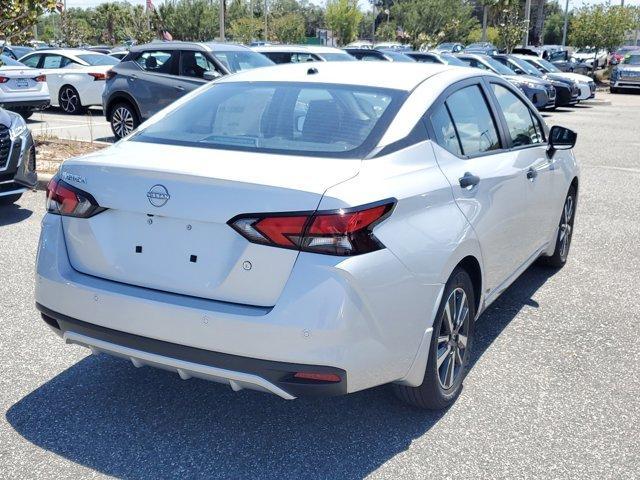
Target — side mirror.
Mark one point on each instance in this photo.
(560, 138)
(210, 75)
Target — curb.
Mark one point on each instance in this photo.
(43, 181)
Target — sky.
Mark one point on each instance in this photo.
(363, 3)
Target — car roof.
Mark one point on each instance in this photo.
(176, 45)
(71, 52)
(297, 49)
(399, 76)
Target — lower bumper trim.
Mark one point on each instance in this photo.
(237, 371)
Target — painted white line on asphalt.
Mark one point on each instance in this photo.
(610, 167)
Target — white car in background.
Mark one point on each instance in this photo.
(75, 77)
(309, 231)
(588, 55)
(22, 89)
(586, 84)
(303, 53)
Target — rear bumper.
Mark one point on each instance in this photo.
(364, 318)
(236, 371)
(626, 83)
(26, 104)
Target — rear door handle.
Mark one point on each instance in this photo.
(469, 180)
(532, 173)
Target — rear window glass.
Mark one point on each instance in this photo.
(242, 60)
(295, 118)
(98, 59)
(9, 62)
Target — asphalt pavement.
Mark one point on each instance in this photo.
(554, 390)
(91, 126)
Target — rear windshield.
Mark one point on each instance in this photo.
(632, 60)
(277, 117)
(242, 60)
(9, 62)
(98, 59)
(337, 57)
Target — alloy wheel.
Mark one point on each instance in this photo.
(566, 227)
(69, 100)
(122, 121)
(453, 338)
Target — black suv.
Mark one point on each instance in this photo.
(17, 157)
(154, 75)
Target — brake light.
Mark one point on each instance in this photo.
(110, 74)
(340, 232)
(318, 377)
(98, 76)
(3, 79)
(41, 78)
(64, 199)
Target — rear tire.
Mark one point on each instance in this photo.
(124, 119)
(9, 199)
(69, 101)
(565, 232)
(450, 349)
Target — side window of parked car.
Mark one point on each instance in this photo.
(32, 61)
(303, 57)
(159, 61)
(524, 127)
(279, 57)
(54, 61)
(372, 57)
(473, 121)
(194, 64)
(446, 135)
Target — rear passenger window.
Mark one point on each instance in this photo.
(53, 61)
(32, 61)
(524, 128)
(473, 121)
(158, 61)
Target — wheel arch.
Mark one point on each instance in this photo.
(117, 98)
(471, 265)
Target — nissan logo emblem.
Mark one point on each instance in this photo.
(158, 195)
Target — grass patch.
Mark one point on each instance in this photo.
(52, 151)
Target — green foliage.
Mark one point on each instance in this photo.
(18, 17)
(73, 31)
(387, 32)
(192, 20)
(475, 35)
(343, 18)
(601, 26)
(434, 21)
(553, 28)
(511, 28)
(288, 28)
(246, 29)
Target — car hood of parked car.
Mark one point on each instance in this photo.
(576, 77)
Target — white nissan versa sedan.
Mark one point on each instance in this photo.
(309, 229)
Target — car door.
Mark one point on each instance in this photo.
(526, 139)
(156, 85)
(487, 179)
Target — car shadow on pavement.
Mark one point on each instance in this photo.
(145, 423)
(12, 213)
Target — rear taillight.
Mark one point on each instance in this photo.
(64, 199)
(3, 79)
(337, 232)
(110, 74)
(98, 76)
(41, 78)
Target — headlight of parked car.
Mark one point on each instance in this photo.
(18, 127)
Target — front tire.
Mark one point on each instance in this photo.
(124, 119)
(565, 232)
(450, 348)
(69, 101)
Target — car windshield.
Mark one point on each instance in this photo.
(242, 60)
(451, 60)
(526, 66)
(279, 117)
(586, 50)
(632, 60)
(9, 62)
(96, 59)
(398, 57)
(337, 57)
(547, 65)
(445, 46)
(499, 67)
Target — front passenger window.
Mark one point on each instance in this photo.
(524, 128)
(158, 62)
(194, 64)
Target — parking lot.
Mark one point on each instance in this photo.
(552, 392)
(89, 127)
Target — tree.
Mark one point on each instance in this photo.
(553, 26)
(246, 29)
(18, 17)
(74, 32)
(288, 28)
(510, 28)
(343, 18)
(432, 21)
(475, 35)
(600, 27)
(387, 32)
(191, 20)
